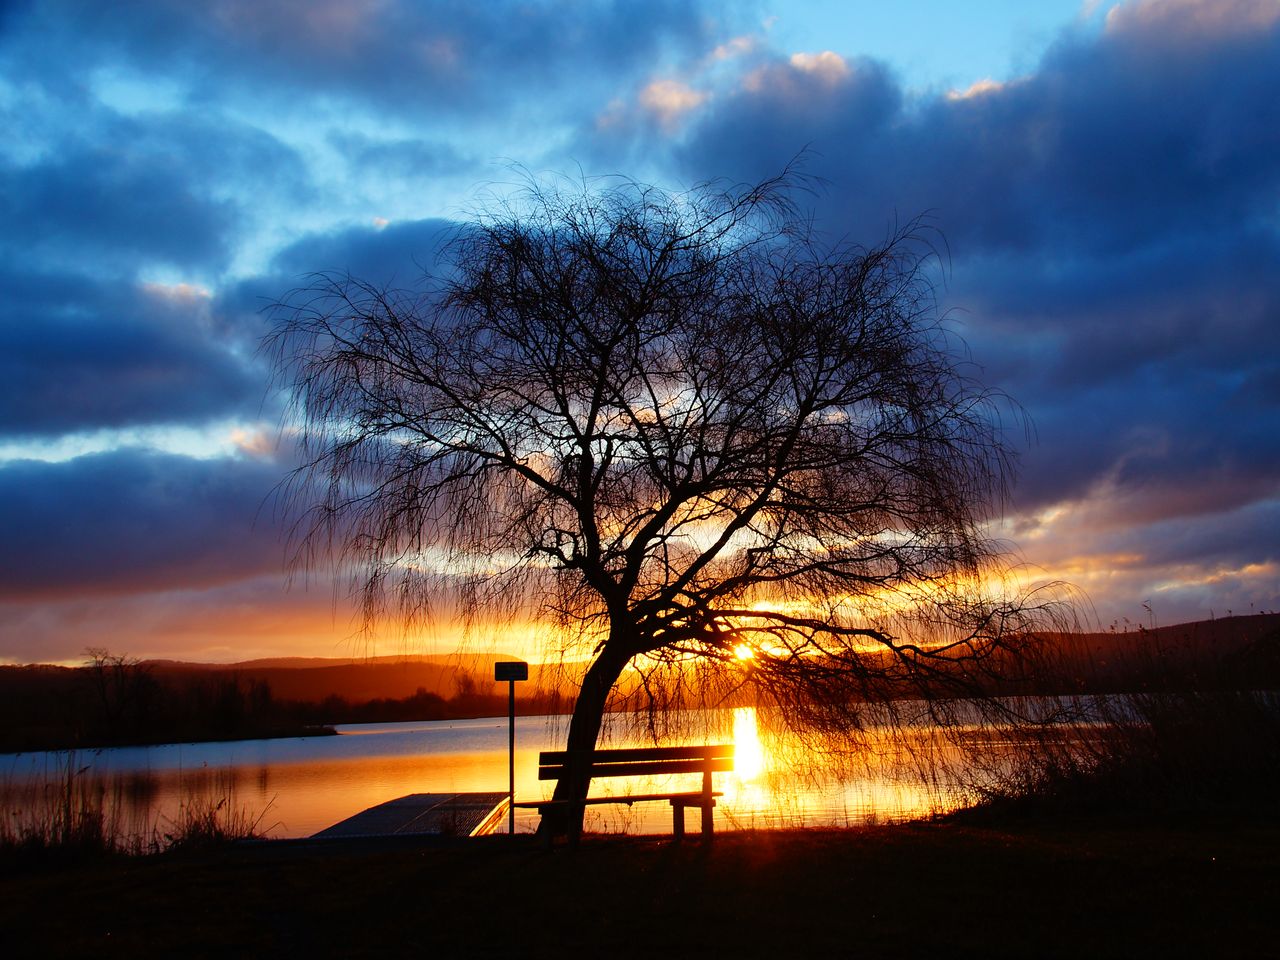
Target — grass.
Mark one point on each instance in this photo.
(204, 822)
(70, 816)
(922, 890)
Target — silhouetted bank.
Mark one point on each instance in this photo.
(1204, 889)
(117, 701)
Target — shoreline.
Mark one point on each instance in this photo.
(61, 746)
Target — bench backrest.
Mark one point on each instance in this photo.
(642, 761)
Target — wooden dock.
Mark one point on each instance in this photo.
(425, 814)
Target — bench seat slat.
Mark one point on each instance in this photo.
(689, 799)
(641, 768)
(624, 754)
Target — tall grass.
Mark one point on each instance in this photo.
(204, 821)
(71, 814)
(65, 813)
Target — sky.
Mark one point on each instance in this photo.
(1106, 176)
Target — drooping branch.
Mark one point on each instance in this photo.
(671, 424)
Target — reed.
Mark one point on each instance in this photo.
(207, 821)
(72, 815)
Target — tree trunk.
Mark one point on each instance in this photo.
(584, 729)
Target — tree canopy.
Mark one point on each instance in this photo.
(677, 426)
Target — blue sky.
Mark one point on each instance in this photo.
(1107, 177)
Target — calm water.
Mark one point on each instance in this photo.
(300, 786)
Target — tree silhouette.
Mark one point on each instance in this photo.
(677, 426)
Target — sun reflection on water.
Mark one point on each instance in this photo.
(748, 754)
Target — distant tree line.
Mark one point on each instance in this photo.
(116, 700)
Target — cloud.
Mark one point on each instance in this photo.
(103, 193)
(445, 58)
(1189, 21)
(408, 158)
(1113, 237)
(115, 208)
(240, 620)
(1111, 215)
(267, 615)
(80, 354)
(669, 100)
(1113, 141)
(389, 254)
(135, 521)
(976, 89)
(828, 67)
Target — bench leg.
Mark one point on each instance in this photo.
(677, 821)
(707, 823)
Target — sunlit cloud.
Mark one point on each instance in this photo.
(216, 440)
(181, 294)
(1193, 19)
(669, 100)
(737, 47)
(976, 89)
(256, 442)
(829, 67)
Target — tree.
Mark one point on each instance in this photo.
(678, 426)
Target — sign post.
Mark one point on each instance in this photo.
(511, 671)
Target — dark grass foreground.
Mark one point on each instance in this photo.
(934, 889)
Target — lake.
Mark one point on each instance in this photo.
(295, 787)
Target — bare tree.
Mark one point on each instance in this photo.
(677, 426)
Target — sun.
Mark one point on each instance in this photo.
(743, 652)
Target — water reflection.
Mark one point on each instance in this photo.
(308, 784)
(748, 756)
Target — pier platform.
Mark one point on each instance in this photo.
(425, 814)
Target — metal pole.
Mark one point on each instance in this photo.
(511, 757)
(511, 671)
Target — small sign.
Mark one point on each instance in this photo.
(510, 670)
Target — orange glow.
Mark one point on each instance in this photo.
(743, 652)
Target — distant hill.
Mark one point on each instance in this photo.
(1247, 647)
(357, 680)
(1238, 651)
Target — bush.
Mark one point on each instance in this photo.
(1171, 753)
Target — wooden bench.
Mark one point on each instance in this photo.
(640, 762)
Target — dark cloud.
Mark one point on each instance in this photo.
(107, 207)
(79, 354)
(134, 521)
(398, 254)
(404, 158)
(110, 201)
(1183, 556)
(1157, 353)
(446, 57)
(112, 194)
